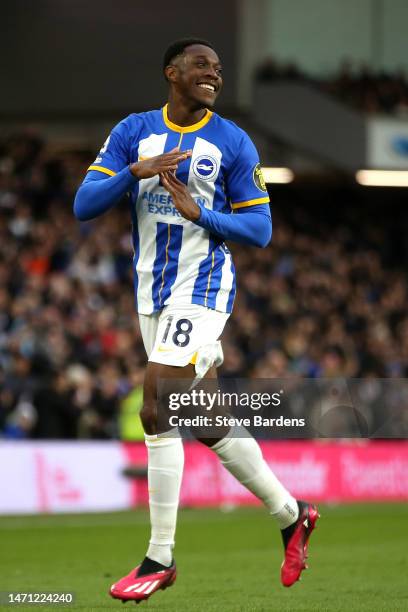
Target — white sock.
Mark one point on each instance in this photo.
(165, 470)
(243, 458)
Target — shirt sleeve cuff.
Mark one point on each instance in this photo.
(203, 216)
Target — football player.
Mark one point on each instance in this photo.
(194, 181)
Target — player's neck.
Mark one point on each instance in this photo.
(181, 114)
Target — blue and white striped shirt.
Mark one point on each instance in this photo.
(176, 260)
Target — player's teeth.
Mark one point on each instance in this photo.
(210, 87)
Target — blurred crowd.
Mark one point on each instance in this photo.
(327, 298)
(357, 86)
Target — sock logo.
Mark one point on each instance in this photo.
(289, 510)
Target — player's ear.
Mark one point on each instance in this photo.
(170, 72)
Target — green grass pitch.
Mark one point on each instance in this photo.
(227, 561)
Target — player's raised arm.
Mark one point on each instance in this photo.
(252, 223)
(111, 176)
(108, 178)
(253, 228)
(248, 196)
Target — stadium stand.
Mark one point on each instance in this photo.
(357, 86)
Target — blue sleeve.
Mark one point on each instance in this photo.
(108, 178)
(245, 185)
(251, 225)
(115, 153)
(98, 193)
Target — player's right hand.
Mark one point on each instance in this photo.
(167, 162)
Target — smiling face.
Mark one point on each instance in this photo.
(195, 75)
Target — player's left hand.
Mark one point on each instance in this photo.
(181, 196)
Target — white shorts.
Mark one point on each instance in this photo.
(179, 335)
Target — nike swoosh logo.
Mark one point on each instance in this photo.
(164, 350)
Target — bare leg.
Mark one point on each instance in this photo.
(165, 469)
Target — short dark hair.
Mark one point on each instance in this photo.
(178, 46)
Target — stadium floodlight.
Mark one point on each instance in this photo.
(382, 178)
(277, 175)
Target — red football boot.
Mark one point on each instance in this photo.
(137, 588)
(295, 540)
